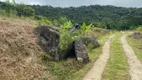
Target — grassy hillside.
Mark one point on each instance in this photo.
(20, 56)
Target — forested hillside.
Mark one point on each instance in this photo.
(109, 17)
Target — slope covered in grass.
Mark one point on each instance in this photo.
(20, 56)
(136, 44)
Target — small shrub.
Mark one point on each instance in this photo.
(43, 20)
(139, 28)
(66, 37)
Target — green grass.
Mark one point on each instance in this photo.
(73, 70)
(94, 55)
(136, 44)
(117, 67)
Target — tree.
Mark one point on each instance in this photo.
(109, 17)
(23, 10)
(28, 11)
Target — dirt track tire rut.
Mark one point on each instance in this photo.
(135, 66)
(96, 72)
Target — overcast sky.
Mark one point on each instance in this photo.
(67, 3)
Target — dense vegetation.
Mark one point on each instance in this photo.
(110, 17)
(10, 9)
(67, 36)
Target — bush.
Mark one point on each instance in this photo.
(16, 9)
(43, 20)
(139, 28)
(67, 37)
(23, 10)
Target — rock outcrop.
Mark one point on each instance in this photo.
(49, 41)
(80, 51)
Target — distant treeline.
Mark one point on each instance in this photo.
(11, 8)
(108, 17)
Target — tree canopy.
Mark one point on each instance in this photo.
(109, 17)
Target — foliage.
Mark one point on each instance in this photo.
(62, 20)
(43, 20)
(72, 69)
(17, 9)
(108, 17)
(67, 37)
(139, 28)
(23, 10)
(85, 28)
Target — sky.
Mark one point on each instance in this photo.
(76, 3)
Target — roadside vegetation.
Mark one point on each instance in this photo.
(139, 28)
(136, 44)
(67, 37)
(73, 70)
(117, 67)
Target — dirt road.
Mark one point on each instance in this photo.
(135, 66)
(99, 65)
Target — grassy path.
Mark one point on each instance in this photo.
(135, 66)
(99, 65)
(94, 55)
(117, 67)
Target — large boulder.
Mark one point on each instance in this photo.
(90, 42)
(49, 41)
(80, 51)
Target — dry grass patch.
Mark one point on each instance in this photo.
(19, 52)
